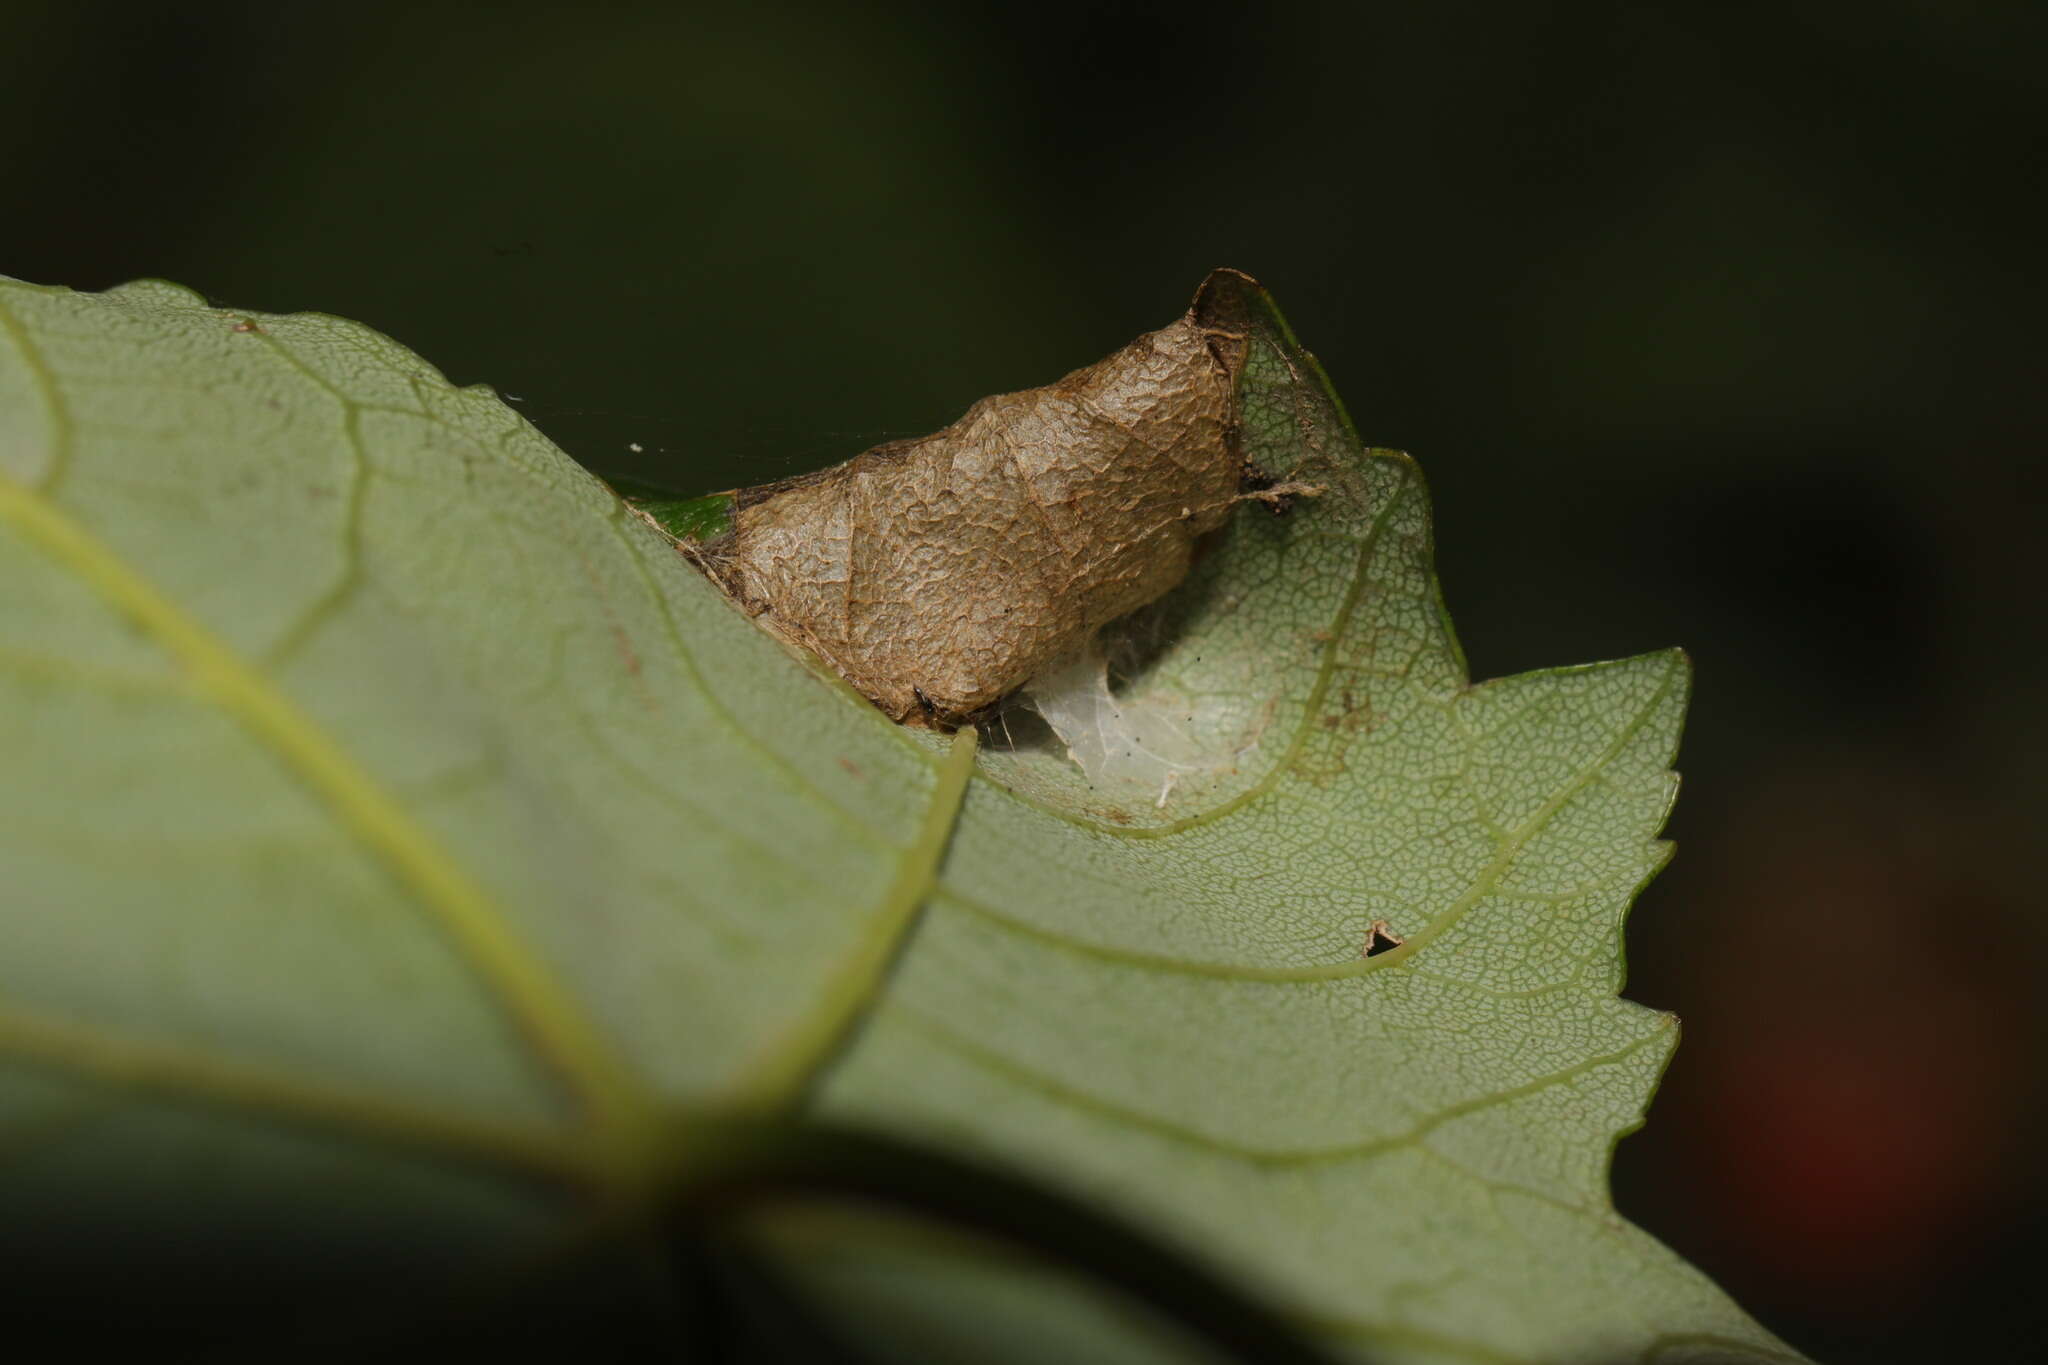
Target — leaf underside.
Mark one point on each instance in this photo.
(400, 841)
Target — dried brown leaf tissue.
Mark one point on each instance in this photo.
(939, 574)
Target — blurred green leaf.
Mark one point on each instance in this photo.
(398, 841)
(698, 518)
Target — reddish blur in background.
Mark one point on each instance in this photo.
(1715, 325)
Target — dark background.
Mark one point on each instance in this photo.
(1713, 325)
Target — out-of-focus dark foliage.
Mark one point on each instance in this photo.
(1712, 325)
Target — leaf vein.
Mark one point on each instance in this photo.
(186, 1075)
(1410, 1138)
(780, 1077)
(615, 1103)
(317, 612)
(63, 431)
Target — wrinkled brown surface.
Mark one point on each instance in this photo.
(940, 573)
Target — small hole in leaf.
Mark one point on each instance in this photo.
(1380, 938)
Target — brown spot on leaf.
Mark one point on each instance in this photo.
(1349, 717)
(1351, 714)
(629, 658)
(627, 653)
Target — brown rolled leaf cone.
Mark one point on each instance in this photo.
(939, 574)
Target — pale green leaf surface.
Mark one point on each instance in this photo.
(385, 810)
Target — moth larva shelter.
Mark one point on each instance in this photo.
(939, 574)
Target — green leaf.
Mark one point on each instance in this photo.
(685, 518)
(400, 841)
